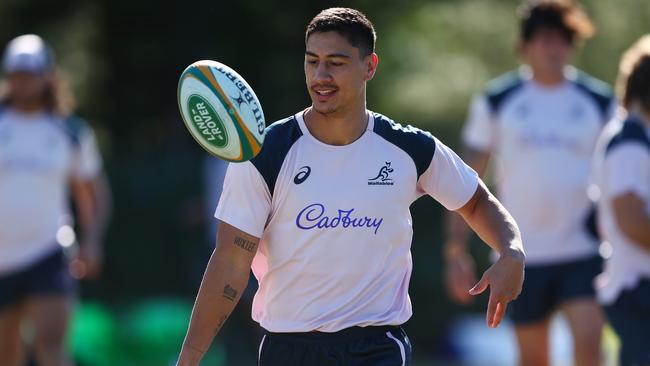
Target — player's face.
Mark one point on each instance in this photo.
(548, 51)
(26, 86)
(336, 73)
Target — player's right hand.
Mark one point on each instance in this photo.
(460, 274)
(505, 279)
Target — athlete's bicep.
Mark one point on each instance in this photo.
(238, 246)
(448, 179)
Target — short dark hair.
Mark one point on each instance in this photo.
(349, 23)
(633, 82)
(566, 16)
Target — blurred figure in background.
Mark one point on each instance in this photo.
(622, 171)
(542, 122)
(47, 158)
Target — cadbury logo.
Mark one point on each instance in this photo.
(315, 217)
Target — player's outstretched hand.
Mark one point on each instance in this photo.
(505, 279)
(460, 274)
(87, 265)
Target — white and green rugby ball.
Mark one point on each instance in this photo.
(221, 111)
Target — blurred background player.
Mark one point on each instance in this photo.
(622, 171)
(48, 158)
(542, 123)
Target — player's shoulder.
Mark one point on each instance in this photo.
(591, 85)
(598, 91)
(73, 126)
(76, 125)
(279, 137)
(503, 86)
(630, 131)
(282, 130)
(420, 145)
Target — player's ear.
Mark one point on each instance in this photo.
(520, 49)
(371, 62)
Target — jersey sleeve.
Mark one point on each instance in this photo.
(625, 170)
(88, 161)
(245, 201)
(612, 110)
(448, 179)
(478, 132)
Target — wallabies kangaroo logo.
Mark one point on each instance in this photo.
(382, 177)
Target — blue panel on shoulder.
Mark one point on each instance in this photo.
(72, 126)
(75, 126)
(632, 131)
(598, 91)
(419, 145)
(279, 138)
(499, 89)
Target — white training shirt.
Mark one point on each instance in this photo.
(334, 221)
(622, 165)
(543, 139)
(39, 155)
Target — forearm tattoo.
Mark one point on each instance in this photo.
(229, 293)
(247, 245)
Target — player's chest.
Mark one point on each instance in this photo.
(562, 124)
(33, 150)
(373, 179)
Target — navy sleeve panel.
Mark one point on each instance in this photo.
(598, 91)
(632, 131)
(500, 88)
(75, 127)
(72, 126)
(419, 145)
(279, 138)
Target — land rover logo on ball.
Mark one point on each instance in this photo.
(206, 121)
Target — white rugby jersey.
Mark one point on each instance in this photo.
(334, 221)
(39, 154)
(622, 165)
(543, 139)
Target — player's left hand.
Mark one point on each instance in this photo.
(88, 263)
(505, 279)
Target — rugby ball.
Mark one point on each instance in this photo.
(221, 111)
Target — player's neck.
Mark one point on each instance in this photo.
(338, 128)
(27, 106)
(548, 79)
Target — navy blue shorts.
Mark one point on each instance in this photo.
(547, 287)
(48, 276)
(356, 346)
(630, 318)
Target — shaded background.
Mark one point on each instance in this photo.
(124, 58)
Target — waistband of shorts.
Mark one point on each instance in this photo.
(342, 335)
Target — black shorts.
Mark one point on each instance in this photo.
(546, 287)
(630, 318)
(356, 346)
(48, 276)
